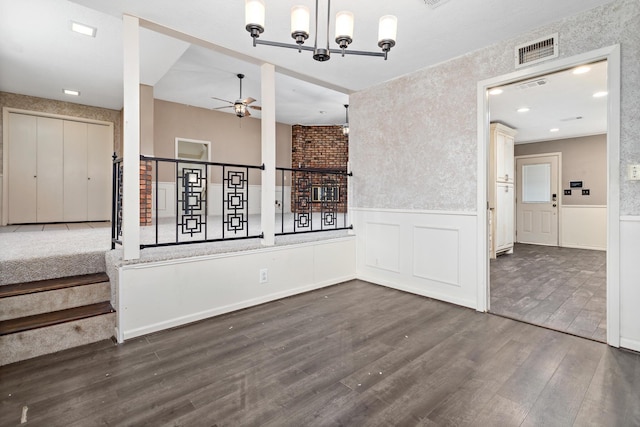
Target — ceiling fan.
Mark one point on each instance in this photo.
(240, 106)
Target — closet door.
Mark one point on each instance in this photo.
(49, 170)
(99, 151)
(22, 168)
(75, 171)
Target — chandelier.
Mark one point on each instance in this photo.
(254, 20)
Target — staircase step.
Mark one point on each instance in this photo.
(51, 284)
(21, 324)
(51, 339)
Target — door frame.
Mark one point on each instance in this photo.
(515, 186)
(612, 55)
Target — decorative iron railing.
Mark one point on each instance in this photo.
(315, 200)
(190, 201)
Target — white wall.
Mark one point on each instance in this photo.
(630, 282)
(426, 253)
(159, 295)
(583, 227)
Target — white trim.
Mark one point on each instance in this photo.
(414, 211)
(630, 218)
(630, 344)
(612, 55)
(196, 141)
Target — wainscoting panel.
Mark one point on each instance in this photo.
(383, 246)
(441, 262)
(160, 295)
(426, 253)
(630, 282)
(584, 227)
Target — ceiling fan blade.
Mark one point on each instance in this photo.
(246, 113)
(220, 108)
(223, 100)
(255, 107)
(248, 101)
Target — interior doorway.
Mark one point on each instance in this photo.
(538, 287)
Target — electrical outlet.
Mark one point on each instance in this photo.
(634, 172)
(264, 275)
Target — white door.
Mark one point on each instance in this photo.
(75, 171)
(99, 161)
(49, 165)
(537, 200)
(23, 186)
(504, 216)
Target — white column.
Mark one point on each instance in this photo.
(268, 102)
(131, 139)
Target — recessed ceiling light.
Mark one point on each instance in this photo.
(83, 29)
(496, 91)
(71, 92)
(600, 94)
(554, 130)
(581, 70)
(523, 109)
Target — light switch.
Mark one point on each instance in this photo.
(634, 172)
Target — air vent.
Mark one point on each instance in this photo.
(531, 83)
(434, 3)
(537, 51)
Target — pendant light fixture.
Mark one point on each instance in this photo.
(300, 18)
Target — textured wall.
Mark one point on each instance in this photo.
(413, 142)
(41, 105)
(583, 159)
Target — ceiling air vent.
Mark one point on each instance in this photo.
(537, 51)
(531, 83)
(434, 3)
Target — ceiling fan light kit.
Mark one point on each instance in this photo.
(240, 106)
(300, 18)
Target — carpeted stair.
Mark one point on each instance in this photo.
(45, 316)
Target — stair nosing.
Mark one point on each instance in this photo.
(37, 321)
(46, 285)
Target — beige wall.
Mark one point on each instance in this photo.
(146, 120)
(41, 105)
(233, 140)
(583, 159)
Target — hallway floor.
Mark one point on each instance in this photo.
(558, 288)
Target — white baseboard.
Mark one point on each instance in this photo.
(630, 344)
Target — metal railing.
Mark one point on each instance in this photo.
(193, 201)
(315, 200)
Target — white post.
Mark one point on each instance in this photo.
(131, 139)
(268, 102)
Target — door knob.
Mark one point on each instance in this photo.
(554, 205)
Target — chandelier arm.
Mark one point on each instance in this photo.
(315, 38)
(358, 52)
(287, 45)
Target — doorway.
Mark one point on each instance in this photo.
(611, 273)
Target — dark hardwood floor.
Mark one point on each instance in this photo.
(558, 288)
(351, 354)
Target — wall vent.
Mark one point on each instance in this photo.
(434, 3)
(537, 51)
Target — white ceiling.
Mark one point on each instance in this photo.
(40, 55)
